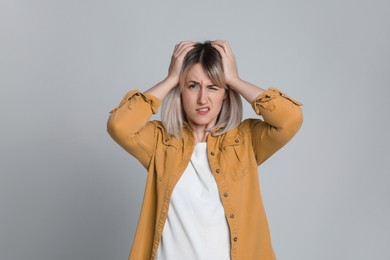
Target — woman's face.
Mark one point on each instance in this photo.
(201, 98)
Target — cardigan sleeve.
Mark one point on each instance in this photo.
(129, 125)
(282, 119)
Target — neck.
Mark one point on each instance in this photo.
(200, 136)
(200, 132)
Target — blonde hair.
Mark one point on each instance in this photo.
(172, 114)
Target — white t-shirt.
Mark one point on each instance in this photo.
(196, 227)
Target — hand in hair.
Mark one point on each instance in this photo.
(247, 90)
(161, 89)
(177, 59)
(228, 60)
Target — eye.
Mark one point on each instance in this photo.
(213, 87)
(192, 86)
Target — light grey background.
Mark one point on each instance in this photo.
(67, 191)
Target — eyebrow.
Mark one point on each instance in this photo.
(210, 85)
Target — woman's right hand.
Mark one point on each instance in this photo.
(161, 89)
(180, 51)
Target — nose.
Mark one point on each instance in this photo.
(202, 96)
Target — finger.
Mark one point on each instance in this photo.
(184, 49)
(175, 49)
(179, 46)
(224, 45)
(183, 44)
(221, 50)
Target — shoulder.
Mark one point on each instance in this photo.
(248, 124)
(158, 127)
(241, 132)
(157, 123)
(162, 135)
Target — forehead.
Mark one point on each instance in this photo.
(198, 73)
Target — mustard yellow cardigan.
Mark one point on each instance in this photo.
(233, 157)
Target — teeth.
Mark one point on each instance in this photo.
(204, 109)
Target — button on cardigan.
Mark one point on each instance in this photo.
(233, 157)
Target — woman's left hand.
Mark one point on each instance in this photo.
(232, 79)
(228, 60)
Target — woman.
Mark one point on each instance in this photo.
(202, 197)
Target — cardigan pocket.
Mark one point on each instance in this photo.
(166, 159)
(235, 162)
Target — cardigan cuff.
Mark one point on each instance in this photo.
(267, 100)
(135, 96)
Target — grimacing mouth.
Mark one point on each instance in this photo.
(203, 109)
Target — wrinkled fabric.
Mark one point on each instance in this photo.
(234, 158)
